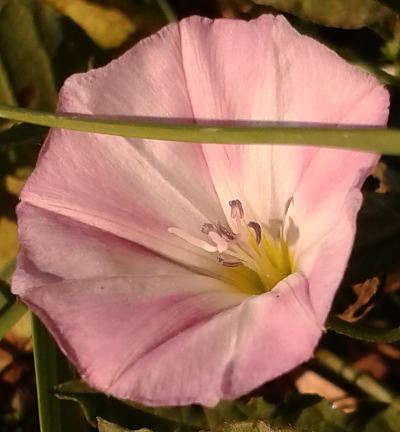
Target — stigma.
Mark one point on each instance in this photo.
(243, 244)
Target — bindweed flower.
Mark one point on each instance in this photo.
(173, 273)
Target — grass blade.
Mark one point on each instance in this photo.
(52, 368)
(379, 140)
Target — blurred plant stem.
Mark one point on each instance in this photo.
(167, 11)
(52, 368)
(361, 380)
(363, 333)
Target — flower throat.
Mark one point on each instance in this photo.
(247, 245)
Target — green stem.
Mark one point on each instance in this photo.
(361, 380)
(51, 368)
(366, 334)
(379, 140)
(167, 11)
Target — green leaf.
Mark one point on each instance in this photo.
(377, 245)
(6, 92)
(106, 426)
(51, 368)
(131, 415)
(25, 69)
(300, 413)
(347, 14)
(380, 418)
(371, 139)
(251, 426)
(310, 412)
(248, 426)
(48, 25)
(135, 416)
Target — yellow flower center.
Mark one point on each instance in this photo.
(256, 261)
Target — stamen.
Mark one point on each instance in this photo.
(225, 233)
(257, 230)
(236, 209)
(225, 263)
(193, 240)
(244, 243)
(207, 228)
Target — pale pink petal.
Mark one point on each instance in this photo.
(54, 247)
(252, 71)
(132, 188)
(96, 256)
(324, 265)
(225, 349)
(322, 220)
(106, 183)
(277, 84)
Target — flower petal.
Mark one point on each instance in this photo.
(252, 71)
(54, 247)
(228, 348)
(321, 222)
(277, 84)
(135, 189)
(168, 335)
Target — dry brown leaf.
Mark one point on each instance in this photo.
(392, 281)
(389, 351)
(311, 382)
(364, 292)
(373, 364)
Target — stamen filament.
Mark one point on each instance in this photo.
(192, 240)
(250, 246)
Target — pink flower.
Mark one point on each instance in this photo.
(172, 273)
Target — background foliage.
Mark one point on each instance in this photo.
(356, 384)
